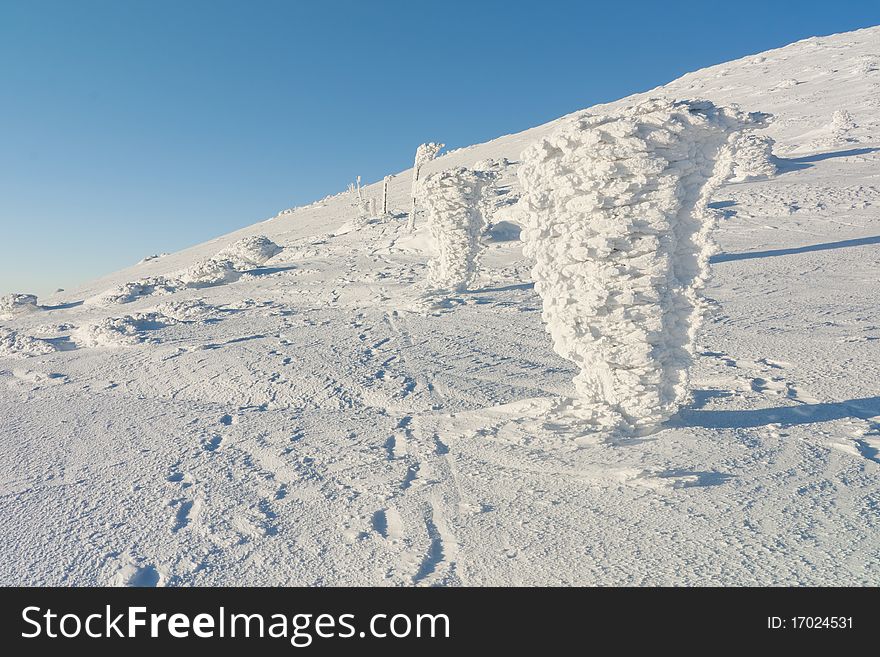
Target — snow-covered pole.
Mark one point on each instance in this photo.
(453, 199)
(385, 194)
(424, 153)
(372, 207)
(618, 225)
(360, 196)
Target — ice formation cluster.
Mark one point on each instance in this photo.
(226, 266)
(454, 201)
(116, 331)
(617, 222)
(753, 157)
(17, 304)
(17, 345)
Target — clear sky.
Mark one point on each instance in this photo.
(132, 127)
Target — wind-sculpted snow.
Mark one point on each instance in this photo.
(226, 266)
(134, 290)
(190, 310)
(18, 345)
(209, 273)
(17, 304)
(250, 252)
(753, 157)
(618, 226)
(453, 199)
(120, 331)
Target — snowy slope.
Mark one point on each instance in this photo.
(312, 423)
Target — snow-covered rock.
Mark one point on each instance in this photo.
(119, 331)
(18, 345)
(619, 231)
(17, 304)
(134, 290)
(249, 252)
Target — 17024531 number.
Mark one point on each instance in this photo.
(810, 623)
(821, 622)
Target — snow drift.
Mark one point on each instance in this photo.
(226, 266)
(18, 345)
(616, 220)
(17, 304)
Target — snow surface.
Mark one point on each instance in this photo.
(300, 425)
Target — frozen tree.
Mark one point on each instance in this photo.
(617, 222)
(455, 221)
(842, 123)
(753, 157)
(424, 154)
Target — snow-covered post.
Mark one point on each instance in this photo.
(617, 222)
(385, 194)
(424, 153)
(372, 207)
(455, 221)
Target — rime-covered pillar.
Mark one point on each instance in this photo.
(455, 221)
(618, 226)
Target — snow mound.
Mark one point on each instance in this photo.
(250, 252)
(134, 290)
(210, 272)
(16, 345)
(17, 304)
(190, 310)
(753, 158)
(226, 266)
(618, 226)
(453, 199)
(149, 258)
(120, 331)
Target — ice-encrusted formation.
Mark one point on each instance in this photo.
(134, 290)
(250, 252)
(214, 271)
(17, 304)
(753, 157)
(617, 222)
(119, 331)
(453, 199)
(226, 266)
(424, 154)
(18, 345)
(842, 124)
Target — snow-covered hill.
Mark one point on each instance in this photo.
(310, 421)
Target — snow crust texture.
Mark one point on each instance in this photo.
(618, 226)
(456, 220)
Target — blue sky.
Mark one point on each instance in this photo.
(135, 127)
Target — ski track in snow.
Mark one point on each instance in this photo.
(318, 422)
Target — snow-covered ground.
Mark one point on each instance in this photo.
(214, 417)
